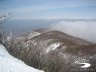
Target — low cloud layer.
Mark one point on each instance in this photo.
(82, 29)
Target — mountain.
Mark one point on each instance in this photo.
(53, 51)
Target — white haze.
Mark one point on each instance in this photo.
(82, 29)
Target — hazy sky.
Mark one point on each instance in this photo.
(30, 9)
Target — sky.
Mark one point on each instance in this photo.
(48, 9)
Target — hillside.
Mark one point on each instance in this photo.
(10, 64)
(53, 51)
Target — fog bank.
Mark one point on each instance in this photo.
(83, 29)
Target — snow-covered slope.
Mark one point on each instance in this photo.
(11, 64)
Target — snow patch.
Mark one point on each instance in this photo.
(33, 34)
(83, 62)
(53, 47)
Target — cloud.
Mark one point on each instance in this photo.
(83, 29)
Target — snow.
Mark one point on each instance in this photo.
(10, 64)
(84, 64)
(33, 34)
(2, 19)
(53, 47)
